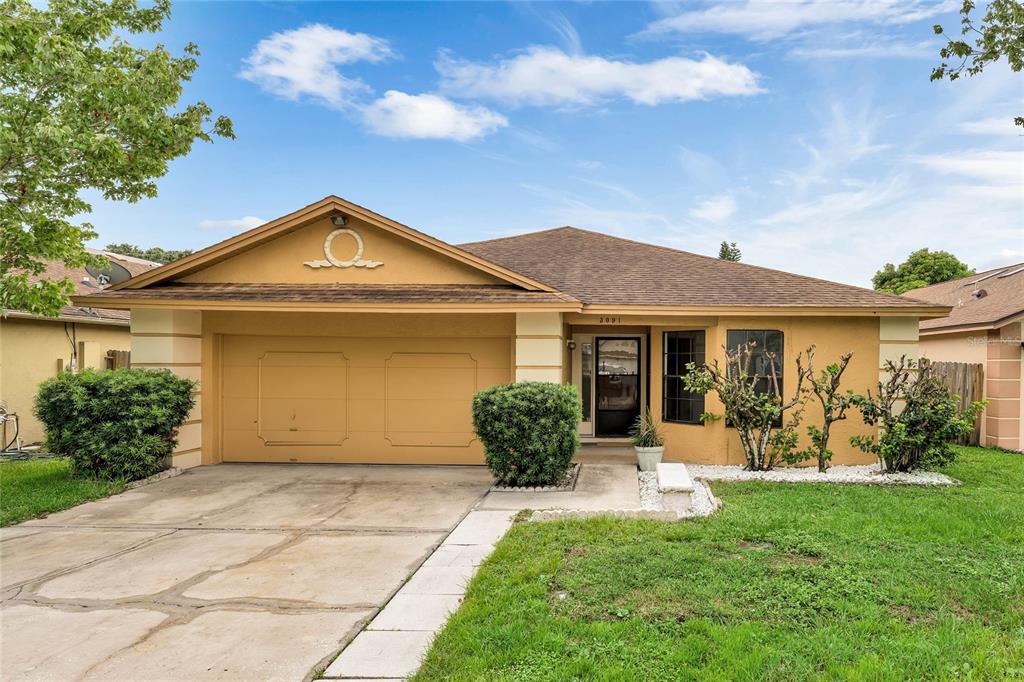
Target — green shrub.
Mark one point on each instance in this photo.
(119, 424)
(918, 418)
(529, 431)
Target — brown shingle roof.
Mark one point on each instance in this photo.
(1003, 298)
(601, 269)
(341, 293)
(85, 284)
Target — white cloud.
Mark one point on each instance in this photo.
(993, 125)
(426, 116)
(305, 61)
(877, 50)
(716, 209)
(548, 76)
(768, 19)
(244, 223)
(992, 166)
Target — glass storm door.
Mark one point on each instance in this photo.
(583, 379)
(617, 385)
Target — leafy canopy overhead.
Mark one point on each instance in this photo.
(82, 109)
(922, 267)
(1000, 34)
(154, 254)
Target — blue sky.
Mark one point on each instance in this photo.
(807, 131)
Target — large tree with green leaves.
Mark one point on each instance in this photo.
(922, 267)
(154, 253)
(1000, 33)
(81, 108)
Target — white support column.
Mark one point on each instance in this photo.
(539, 349)
(172, 339)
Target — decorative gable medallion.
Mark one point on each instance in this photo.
(357, 260)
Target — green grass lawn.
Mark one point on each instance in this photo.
(31, 488)
(786, 582)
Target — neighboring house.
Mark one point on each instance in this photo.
(34, 348)
(334, 334)
(984, 327)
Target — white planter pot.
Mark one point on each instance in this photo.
(648, 458)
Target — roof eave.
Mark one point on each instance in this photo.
(81, 319)
(974, 326)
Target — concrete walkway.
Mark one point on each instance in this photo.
(232, 572)
(392, 645)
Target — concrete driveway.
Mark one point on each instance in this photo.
(237, 571)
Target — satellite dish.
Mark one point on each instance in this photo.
(115, 273)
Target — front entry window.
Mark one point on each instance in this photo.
(618, 385)
(680, 405)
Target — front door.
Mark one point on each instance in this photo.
(617, 385)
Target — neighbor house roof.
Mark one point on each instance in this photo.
(987, 300)
(85, 283)
(599, 269)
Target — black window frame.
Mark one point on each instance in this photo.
(761, 337)
(697, 356)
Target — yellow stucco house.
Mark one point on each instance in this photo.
(334, 334)
(34, 348)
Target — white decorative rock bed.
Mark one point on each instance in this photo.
(867, 474)
(658, 497)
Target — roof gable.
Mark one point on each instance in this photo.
(306, 247)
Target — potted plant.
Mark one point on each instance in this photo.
(647, 440)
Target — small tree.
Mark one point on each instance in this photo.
(729, 251)
(755, 413)
(918, 417)
(825, 388)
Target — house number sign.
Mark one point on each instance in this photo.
(610, 320)
(356, 261)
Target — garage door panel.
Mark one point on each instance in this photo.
(366, 383)
(239, 381)
(324, 399)
(486, 378)
(367, 415)
(430, 383)
(242, 415)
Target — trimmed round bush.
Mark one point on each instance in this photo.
(528, 430)
(117, 424)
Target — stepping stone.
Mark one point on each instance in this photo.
(676, 486)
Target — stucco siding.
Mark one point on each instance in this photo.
(31, 351)
(715, 443)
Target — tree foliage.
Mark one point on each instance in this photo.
(826, 390)
(918, 418)
(922, 267)
(999, 34)
(155, 253)
(754, 413)
(729, 251)
(81, 108)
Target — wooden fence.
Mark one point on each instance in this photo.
(966, 380)
(117, 359)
